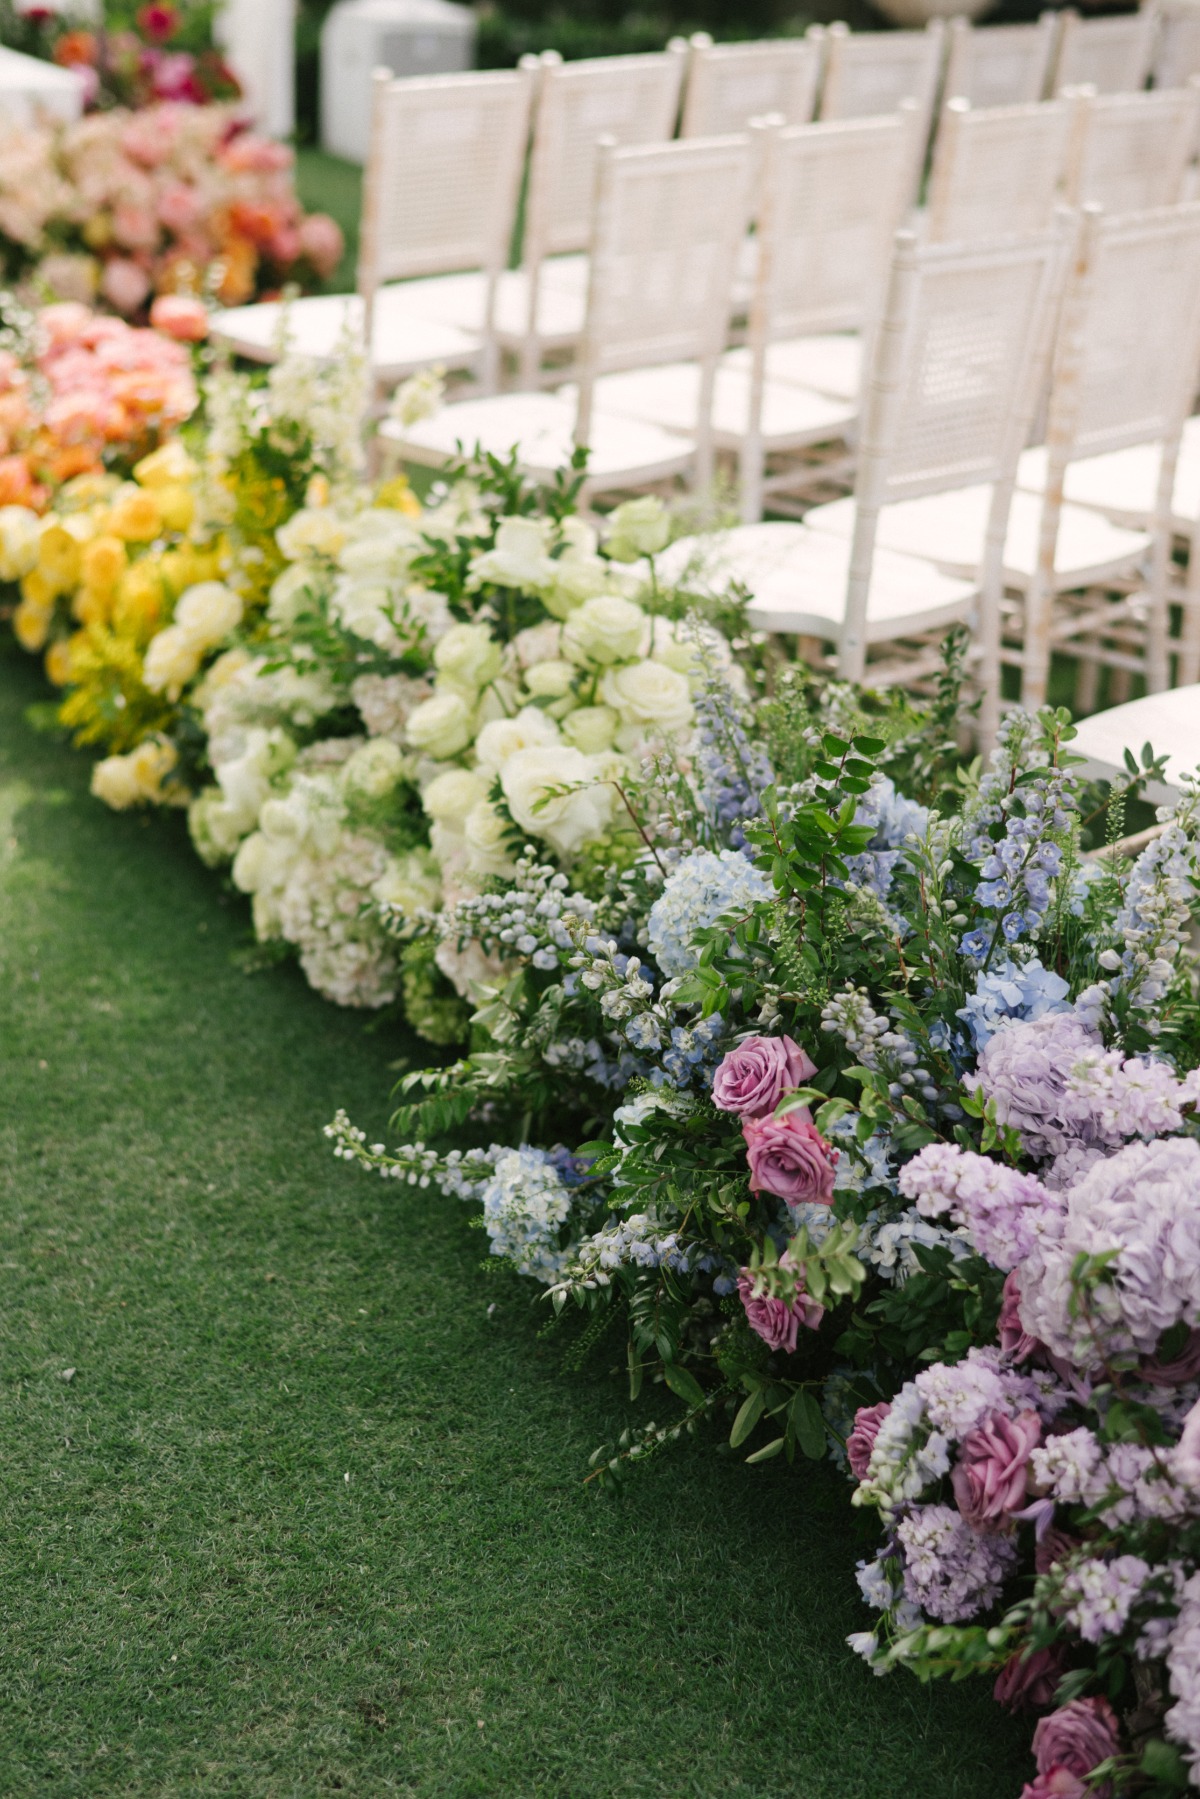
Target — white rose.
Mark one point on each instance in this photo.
(373, 771)
(251, 863)
(568, 819)
(450, 796)
(649, 693)
(20, 530)
(208, 612)
(314, 530)
(290, 594)
(171, 661)
(215, 826)
(551, 680)
(409, 884)
(520, 557)
(441, 727)
(150, 764)
(637, 528)
(449, 848)
(363, 606)
(115, 782)
(503, 737)
(468, 657)
(681, 654)
(604, 630)
(537, 643)
(245, 780)
(484, 837)
(591, 729)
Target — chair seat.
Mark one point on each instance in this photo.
(461, 300)
(1123, 484)
(797, 581)
(1169, 721)
(540, 427)
(829, 363)
(401, 342)
(949, 529)
(669, 396)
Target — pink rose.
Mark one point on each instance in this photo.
(1015, 1340)
(134, 226)
(179, 207)
(789, 1158)
(777, 1323)
(1060, 1783)
(1027, 1682)
(322, 242)
(753, 1078)
(180, 317)
(861, 1440)
(989, 1477)
(124, 284)
(1077, 1737)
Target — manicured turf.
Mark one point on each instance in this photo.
(327, 184)
(308, 1516)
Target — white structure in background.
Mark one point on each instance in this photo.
(31, 90)
(409, 37)
(258, 38)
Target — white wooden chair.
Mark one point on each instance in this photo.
(730, 84)
(540, 306)
(997, 171)
(871, 72)
(831, 197)
(1169, 722)
(668, 221)
(1118, 385)
(1000, 65)
(1131, 152)
(1177, 54)
(956, 372)
(1113, 55)
(440, 193)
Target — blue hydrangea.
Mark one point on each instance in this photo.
(704, 886)
(1012, 990)
(894, 817)
(525, 1203)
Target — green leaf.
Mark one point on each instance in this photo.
(749, 1413)
(870, 746)
(1164, 1762)
(636, 1369)
(765, 1455)
(684, 1384)
(597, 1147)
(809, 1424)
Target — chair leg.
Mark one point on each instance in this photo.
(1035, 656)
(1189, 633)
(1087, 682)
(751, 472)
(1158, 622)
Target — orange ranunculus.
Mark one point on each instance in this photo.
(240, 264)
(76, 49)
(17, 485)
(73, 459)
(181, 317)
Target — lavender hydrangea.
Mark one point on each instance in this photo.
(1003, 1210)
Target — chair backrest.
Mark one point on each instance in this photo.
(631, 99)
(730, 84)
(1177, 56)
(1111, 55)
(1000, 65)
(443, 174)
(870, 72)
(1120, 378)
(1130, 152)
(668, 224)
(833, 196)
(997, 171)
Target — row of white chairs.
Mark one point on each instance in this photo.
(444, 176)
(953, 516)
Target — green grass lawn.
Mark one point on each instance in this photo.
(308, 1516)
(327, 184)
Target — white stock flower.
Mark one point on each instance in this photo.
(441, 727)
(649, 693)
(554, 794)
(503, 737)
(20, 531)
(208, 612)
(483, 836)
(467, 657)
(604, 630)
(450, 796)
(313, 531)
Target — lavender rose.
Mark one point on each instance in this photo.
(776, 1322)
(1077, 1737)
(861, 1440)
(789, 1158)
(989, 1477)
(753, 1078)
(1060, 1783)
(1174, 1371)
(1027, 1681)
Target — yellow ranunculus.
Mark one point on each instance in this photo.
(39, 589)
(102, 562)
(92, 605)
(177, 505)
(58, 556)
(31, 625)
(135, 515)
(167, 466)
(399, 497)
(139, 605)
(58, 662)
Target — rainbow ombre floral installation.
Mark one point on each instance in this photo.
(837, 1078)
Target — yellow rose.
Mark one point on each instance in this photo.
(31, 624)
(176, 505)
(102, 563)
(58, 662)
(150, 764)
(59, 556)
(39, 589)
(92, 606)
(20, 530)
(166, 467)
(135, 515)
(139, 604)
